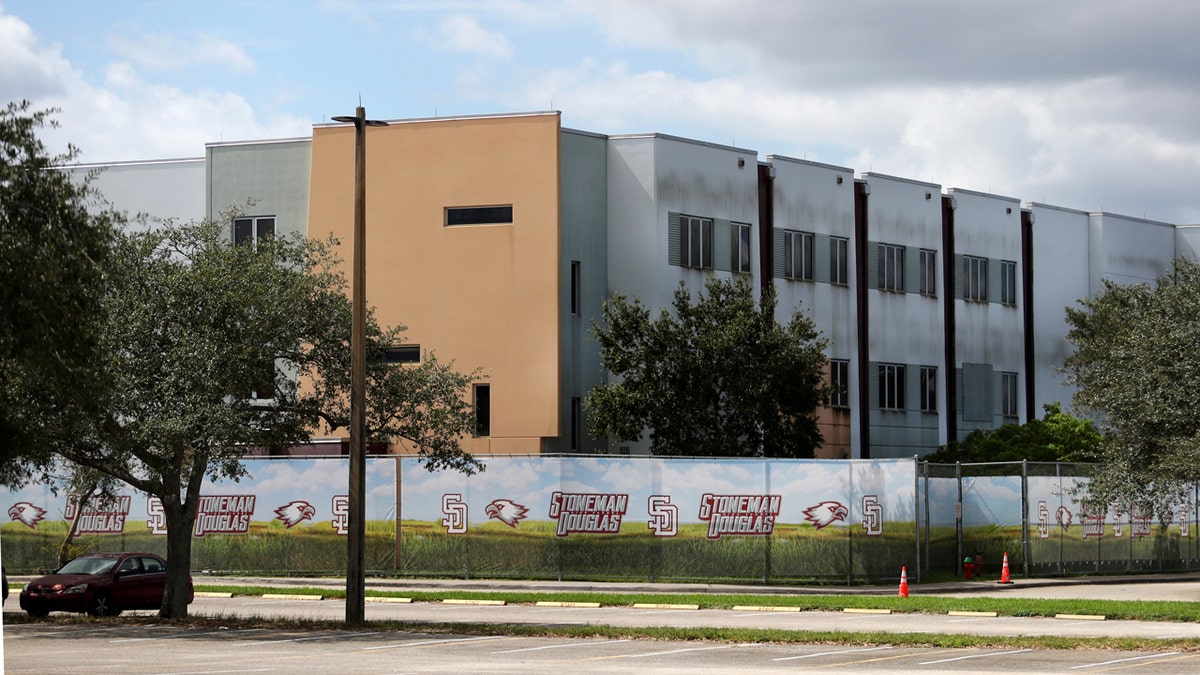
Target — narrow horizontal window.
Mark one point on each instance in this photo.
(479, 215)
(402, 354)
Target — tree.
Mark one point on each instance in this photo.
(1056, 437)
(52, 258)
(207, 349)
(720, 377)
(1136, 367)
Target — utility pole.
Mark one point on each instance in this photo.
(356, 543)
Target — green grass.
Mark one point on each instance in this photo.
(928, 604)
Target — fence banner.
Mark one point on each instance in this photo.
(287, 515)
(642, 517)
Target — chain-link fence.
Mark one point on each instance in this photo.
(634, 518)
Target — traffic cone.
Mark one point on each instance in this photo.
(1004, 578)
(904, 582)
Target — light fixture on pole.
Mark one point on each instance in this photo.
(356, 543)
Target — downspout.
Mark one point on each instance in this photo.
(862, 191)
(1027, 220)
(949, 204)
(766, 226)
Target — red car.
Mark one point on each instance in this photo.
(101, 584)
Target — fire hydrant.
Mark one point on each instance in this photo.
(968, 568)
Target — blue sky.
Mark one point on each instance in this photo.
(1089, 105)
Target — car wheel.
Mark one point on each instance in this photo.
(102, 605)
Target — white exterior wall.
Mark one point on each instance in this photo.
(1187, 241)
(1061, 273)
(651, 176)
(807, 196)
(990, 333)
(1129, 250)
(906, 328)
(162, 190)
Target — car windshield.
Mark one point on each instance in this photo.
(87, 565)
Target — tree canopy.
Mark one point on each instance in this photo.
(715, 377)
(1055, 437)
(53, 253)
(1137, 369)
(208, 349)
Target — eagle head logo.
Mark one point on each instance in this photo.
(506, 511)
(1064, 517)
(27, 513)
(825, 513)
(293, 512)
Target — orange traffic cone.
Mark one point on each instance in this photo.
(904, 582)
(1004, 578)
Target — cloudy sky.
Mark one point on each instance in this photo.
(1090, 105)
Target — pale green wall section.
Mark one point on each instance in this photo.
(272, 176)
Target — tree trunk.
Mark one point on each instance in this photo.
(180, 522)
(81, 501)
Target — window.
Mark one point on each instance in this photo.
(928, 389)
(975, 278)
(402, 354)
(891, 386)
(1008, 395)
(798, 255)
(576, 423)
(479, 215)
(891, 267)
(696, 242)
(1008, 282)
(839, 379)
(575, 297)
(839, 257)
(263, 387)
(740, 247)
(253, 230)
(928, 272)
(483, 410)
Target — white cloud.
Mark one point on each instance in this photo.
(29, 69)
(464, 34)
(159, 52)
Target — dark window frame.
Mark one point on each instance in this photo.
(740, 254)
(928, 389)
(975, 282)
(482, 403)
(798, 255)
(891, 267)
(496, 214)
(696, 242)
(891, 386)
(928, 272)
(839, 380)
(839, 261)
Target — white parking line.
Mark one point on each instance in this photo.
(1132, 658)
(183, 635)
(834, 653)
(974, 656)
(424, 643)
(301, 639)
(219, 672)
(572, 644)
(675, 651)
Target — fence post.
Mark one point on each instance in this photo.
(958, 520)
(928, 565)
(916, 512)
(769, 537)
(1025, 515)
